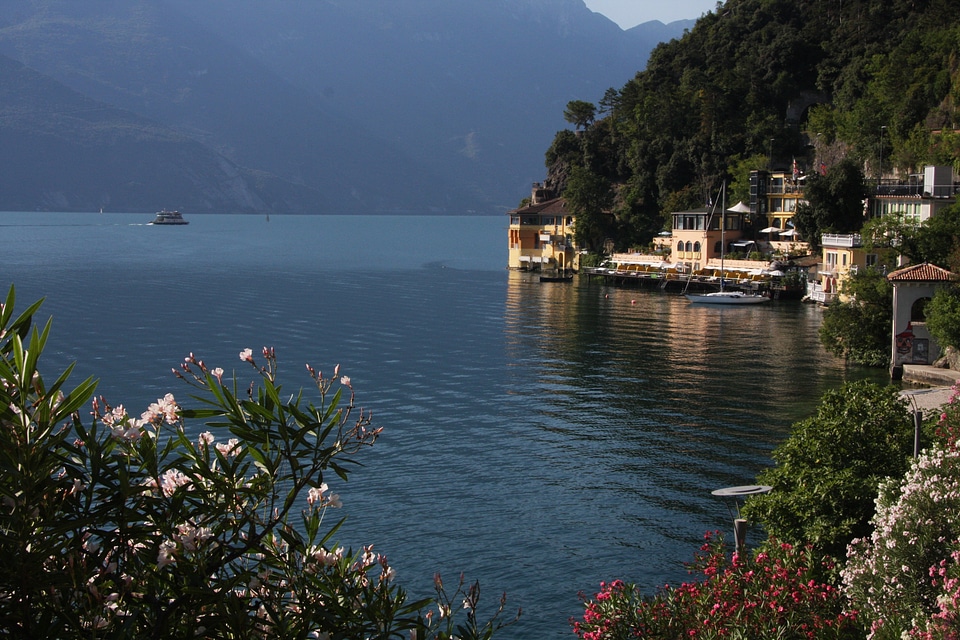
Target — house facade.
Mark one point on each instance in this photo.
(774, 196)
(913, 287)
(541, 234)
(696, 235)
(917, 198)
(843, 254)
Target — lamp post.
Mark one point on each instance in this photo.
(739, 524)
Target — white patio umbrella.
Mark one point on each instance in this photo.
(789, 233)
(739, 208)
(771, 230)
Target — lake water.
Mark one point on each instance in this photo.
(538, 437)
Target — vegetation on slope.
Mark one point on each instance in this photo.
(764, 82)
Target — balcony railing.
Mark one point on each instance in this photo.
(848, 240)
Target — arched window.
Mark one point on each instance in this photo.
(689, 246)
(679, 246)
(918, 310)
(696, 247)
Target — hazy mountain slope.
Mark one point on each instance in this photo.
(63, 151)
(424, 105)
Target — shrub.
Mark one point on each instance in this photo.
(125, 526)
(827, 471)
(896, 577)
(774, 594)
(943, 316)
(905, 578)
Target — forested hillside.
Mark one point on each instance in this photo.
(757, 84)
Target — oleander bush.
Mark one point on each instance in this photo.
(121, 525)
(774, 594)
(905, 577)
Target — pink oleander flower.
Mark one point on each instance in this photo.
(130, 431)
(115, 415)
(166, 554)
(192, 537)
(205, 439)
(229, 449)
(247, 355)
(171, 480)
(218, 374)
(345, 381)
(164, 408)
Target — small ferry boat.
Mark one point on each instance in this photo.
(169, 217)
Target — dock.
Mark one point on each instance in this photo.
(675, 281)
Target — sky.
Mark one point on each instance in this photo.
(630, 13)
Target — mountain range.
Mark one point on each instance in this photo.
(372, 106)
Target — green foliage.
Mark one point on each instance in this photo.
(834, 202)
(859, 329)
(776, 593)
(714, 102)
(589, 198)
(124, 526)
(580, 113)
(936, 240)
(943, 316)
(827, 471)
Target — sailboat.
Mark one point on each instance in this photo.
(722, 296)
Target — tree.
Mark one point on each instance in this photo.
(580, 113)
(827, 471)
(589, 198)
(834, 202)
(936, 240)
(859, 328)
(943, 316)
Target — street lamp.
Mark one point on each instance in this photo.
(735, 493)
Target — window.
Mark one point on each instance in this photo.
(679, 246)
(844, 258)
(871, 260)
(514, 219)
(548, 220)
(696, 247)
(831, 259)
(689, 246)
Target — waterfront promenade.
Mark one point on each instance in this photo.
(940, 387)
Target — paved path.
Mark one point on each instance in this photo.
(928, 399)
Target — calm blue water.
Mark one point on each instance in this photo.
(539, 438)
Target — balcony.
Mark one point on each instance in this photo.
(847, 240)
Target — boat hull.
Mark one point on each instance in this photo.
(168, 218)
(726, 298)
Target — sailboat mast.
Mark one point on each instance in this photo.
(723, 231)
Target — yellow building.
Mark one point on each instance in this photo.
(541, 234)
(843, 255)
(774, 196)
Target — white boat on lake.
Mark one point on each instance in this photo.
(726, 297)
(169, 217)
